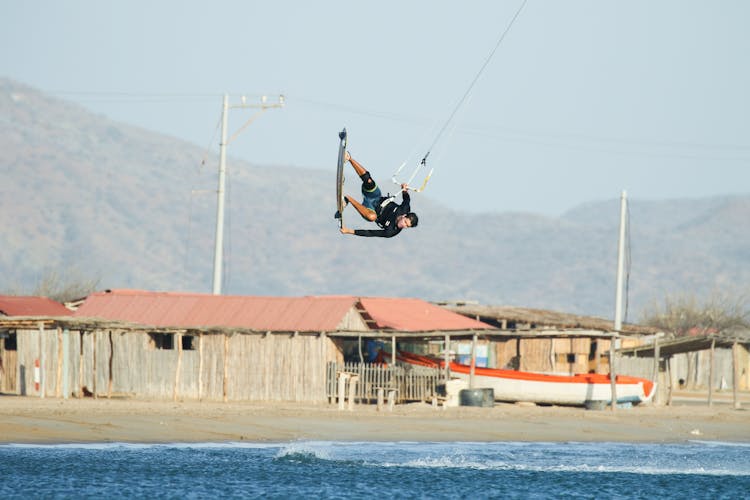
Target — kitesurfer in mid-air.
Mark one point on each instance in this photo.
(382, 210)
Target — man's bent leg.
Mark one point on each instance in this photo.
(366, 213)
(357, 167)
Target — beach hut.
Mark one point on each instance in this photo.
(19, 372)
(167, 345)
(539, 340)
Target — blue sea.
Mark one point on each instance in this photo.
(317, 469)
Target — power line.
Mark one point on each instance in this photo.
(145, 97)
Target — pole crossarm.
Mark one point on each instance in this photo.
(262, 107)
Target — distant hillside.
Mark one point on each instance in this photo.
(81, 191)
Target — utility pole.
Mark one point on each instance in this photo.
(219, 246)
(618, 297)
(620, 261)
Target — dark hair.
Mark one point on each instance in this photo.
(413, 218)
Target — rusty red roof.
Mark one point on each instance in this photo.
(313, 313)
(15, 305)
(413, 315)
(170, 309)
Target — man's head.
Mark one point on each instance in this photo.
(408, 220)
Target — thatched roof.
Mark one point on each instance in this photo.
(522, 318)
(670, 347)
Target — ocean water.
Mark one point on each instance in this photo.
(317, 469)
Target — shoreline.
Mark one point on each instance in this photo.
(31, 420)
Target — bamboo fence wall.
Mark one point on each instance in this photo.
(268, 367)
(8, 375)
(722, 377)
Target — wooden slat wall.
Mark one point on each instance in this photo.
(505, 354)
(28, 351)
(535, 354)
(271, 367)
(138, 368)
(10, 374)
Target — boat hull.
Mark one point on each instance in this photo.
(558, 392)
(574, 390)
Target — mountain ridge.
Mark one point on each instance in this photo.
(82, 191)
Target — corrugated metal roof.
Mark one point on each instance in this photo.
(14, 305)
(170, 309)
(303, 314)
(415, 315)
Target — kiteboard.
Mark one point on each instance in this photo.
(340, 179)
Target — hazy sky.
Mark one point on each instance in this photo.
(582, 100)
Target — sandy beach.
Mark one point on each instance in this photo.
(34, 420)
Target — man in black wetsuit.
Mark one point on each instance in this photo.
(375, 207)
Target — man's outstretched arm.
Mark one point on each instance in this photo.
(370, 233)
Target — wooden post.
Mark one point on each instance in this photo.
(655, 365)
(381, 398)
(42, 361)
(655, 372)
(735, 374)
(518, 354)
(176, 391)
(473, 360)
(447, 356)
(200, 366)
(111, 361)
(613, 373)
(391, 399)
(80, 365)
(58, 389)
(226, 368)
(353, 379)
(552, 354)
(342, 389)
(93, 362)
(66, 363)
(711, 374)
(669, 380)
(393, 350)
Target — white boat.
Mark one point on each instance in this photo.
(574, 390)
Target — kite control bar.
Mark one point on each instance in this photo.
(419, 166)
